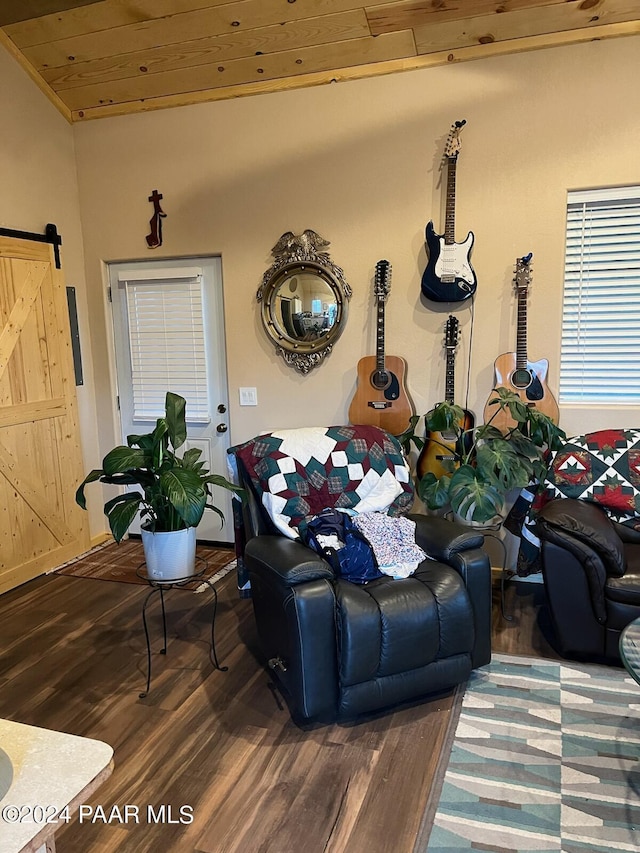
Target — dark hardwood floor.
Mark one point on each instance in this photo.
(221, 743)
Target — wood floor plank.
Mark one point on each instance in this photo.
(221, 744)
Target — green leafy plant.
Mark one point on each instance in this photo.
(486, 463)
(176, 490)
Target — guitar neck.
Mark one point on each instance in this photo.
(521, 336)
(380, 334)
(450, 204)
(449, 394)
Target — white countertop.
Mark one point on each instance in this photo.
(51, 770)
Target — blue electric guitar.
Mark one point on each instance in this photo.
(449, 276)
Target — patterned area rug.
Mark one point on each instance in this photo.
(119, 562)
(546, 757)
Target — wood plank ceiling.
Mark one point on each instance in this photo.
(112, 57)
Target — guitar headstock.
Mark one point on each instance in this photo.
(382, 283)
(451, 333)
(452, 145)
(523, 274)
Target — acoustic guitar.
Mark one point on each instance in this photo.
(513, 370)
(381, 398)
(442, 450)
(449, 276)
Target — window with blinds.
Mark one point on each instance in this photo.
(166, 341)
(600, 357)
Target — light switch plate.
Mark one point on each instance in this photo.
(248, 397)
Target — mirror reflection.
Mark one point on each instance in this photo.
(305, 307)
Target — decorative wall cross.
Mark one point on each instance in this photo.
(155, 238)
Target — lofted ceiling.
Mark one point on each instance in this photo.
(97, 58)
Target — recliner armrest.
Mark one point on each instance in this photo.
(443, 539)
(461, 548)
(287, 561)
(585, 523)
(628, 535)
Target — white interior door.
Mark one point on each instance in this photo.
(169, 336)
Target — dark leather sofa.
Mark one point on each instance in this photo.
(339, 649)
(591, 570)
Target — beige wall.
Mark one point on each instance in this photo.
(38, 185)
(357, 162)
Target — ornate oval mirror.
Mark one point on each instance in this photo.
(304, 300)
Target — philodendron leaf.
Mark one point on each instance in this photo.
(523, 445)
(544, 432)
(121, 511)
(159, 444)
(123, 458)
(499, 464)
(175, 414)
(219, 480)
(434, 492)
(409, 435)
(186, 493)
(506, 399)
(190, 459)
(90, 478)
(446, 417)
(486, 432)
(473, 498)
(218, 512)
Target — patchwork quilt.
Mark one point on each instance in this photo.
(602, 467)
(300, 472)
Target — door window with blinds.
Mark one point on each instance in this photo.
(600, 357)
(168, 335)
(166, 340)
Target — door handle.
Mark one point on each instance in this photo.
(221, 428)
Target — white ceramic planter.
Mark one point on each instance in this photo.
(170, 556)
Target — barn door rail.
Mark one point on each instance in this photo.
(50, 236)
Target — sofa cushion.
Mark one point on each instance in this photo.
(300, 472)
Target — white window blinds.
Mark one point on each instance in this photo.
(600, 358)
(166, 340)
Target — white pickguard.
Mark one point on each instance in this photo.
(536, 368)
(453, 261)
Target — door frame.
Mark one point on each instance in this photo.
(177, 260)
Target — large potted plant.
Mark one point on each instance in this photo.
(175, 491)
(485, 464)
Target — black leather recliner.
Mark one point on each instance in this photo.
(591, 571)
(340, 649)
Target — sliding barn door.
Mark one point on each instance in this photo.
(40, 457)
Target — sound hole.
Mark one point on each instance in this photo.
(521, 378)
(380, 379)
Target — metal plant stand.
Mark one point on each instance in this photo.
(495, 532)
(160, 587)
